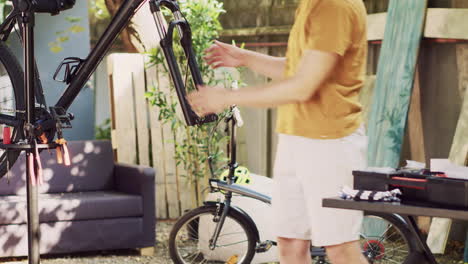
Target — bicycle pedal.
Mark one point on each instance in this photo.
(264, 246)
(62, 117)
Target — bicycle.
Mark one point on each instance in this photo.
(23, 104)
(30, 125)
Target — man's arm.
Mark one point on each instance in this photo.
(314, 69)
(269, 66)
(224, 55)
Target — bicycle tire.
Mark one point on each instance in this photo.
(14, 72)
(401, 228)
(192, 218)
(380, 253)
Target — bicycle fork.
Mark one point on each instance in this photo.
(222, 211)
(166, 32)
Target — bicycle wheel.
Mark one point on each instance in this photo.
(390, 242)
(190, 238)
(11, 103)
(386, 241)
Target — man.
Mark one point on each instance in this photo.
(321, 138)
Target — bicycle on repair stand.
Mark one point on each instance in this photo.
(31, 125)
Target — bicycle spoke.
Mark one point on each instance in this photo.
(193, 245)
(388, 247)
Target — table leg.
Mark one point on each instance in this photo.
(429, 257)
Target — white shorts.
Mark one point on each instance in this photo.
(308, 170)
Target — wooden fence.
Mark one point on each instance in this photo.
(137, 135)
(139, 138)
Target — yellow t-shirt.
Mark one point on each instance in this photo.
(337, 26)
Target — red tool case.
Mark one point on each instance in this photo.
(417, 186)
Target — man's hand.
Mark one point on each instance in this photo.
(208, 100)
(224, 55)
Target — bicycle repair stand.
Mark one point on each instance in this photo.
(29, 145)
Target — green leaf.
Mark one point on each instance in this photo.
(76, 29)
(63, 39)
(73, 19)
(56, 49)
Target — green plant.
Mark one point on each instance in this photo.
(103, 131)
(3, 7)
(192, 143)
(98, 10)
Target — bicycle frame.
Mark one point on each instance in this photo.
(117, 24)
(23, 13)
(238, 189)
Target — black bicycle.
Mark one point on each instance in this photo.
(33, 126)
(23, 107)
(30, 125)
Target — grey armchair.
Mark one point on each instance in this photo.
(95, 204)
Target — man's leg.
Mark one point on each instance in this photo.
(294, 251)
(347, 253)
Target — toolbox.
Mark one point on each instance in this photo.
(418, 186)
(447, 191)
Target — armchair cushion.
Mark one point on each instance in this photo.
(72, 206)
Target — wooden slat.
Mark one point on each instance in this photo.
(438, 234)
(141, 112)
(395, 81)
(184, 191)
(256, 31)
(186, 188)
(124, 135)
(462, 63)
(171, 176)
(168, 139)
(157, 148)
(415, 124)
(376, 26)
(416, 139)
(459, 150)
(172, 190)
(449, 23)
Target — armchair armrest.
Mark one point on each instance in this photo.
(134, 179)
(140, 180)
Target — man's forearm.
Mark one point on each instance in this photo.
(269, 66)
(269, 95)
(315, 69)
